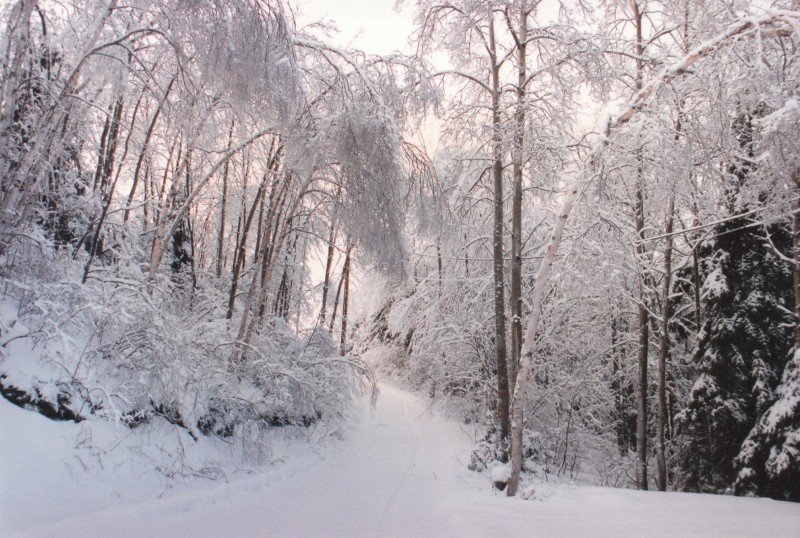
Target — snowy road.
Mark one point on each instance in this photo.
(402, 472)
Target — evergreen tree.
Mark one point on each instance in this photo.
(745, 339)
(769, 462)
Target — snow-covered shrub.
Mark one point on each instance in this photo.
(128, 349)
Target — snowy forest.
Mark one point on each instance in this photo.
(573, 226)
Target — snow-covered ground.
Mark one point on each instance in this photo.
(399, 471)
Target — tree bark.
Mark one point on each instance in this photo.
(796, 254)
(643, 317)
(323, 311)
(526, 363)
(270, 249)
(663, 350)
(238, 262)
(503, 400)
(336, 304)
(222, 203)
(19, 33)
(345, 297)
(521, 39)
(643, 322)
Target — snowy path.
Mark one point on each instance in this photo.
(402, 472)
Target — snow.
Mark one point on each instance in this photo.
(398, 471)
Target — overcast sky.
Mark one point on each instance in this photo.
(374, 26)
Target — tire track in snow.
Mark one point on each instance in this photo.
(416, 457)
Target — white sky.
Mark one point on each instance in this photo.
(374, 26)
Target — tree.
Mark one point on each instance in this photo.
(745, 340)
(742, 350)
(485, 61)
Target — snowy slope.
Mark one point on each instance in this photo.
(400, 471)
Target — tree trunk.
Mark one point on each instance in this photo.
(105, 163)
(111, 149)
(345, 297)
(663, 350)
(643, 320)
(271, 249)
(515, 298)
(336, 304)
(223, 202)
(18, 33)
(101, 153)
(526, 363)
(643, 317)
(796, 253)
(328, 266)
(618, 388)
(503, 401)
(439, 264)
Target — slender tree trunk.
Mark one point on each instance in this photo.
(663, 350)
(521, 39)
(113, 139)
(262, 252)
(222, 204)
(796, 254)
(439, 264)
(643, 321)
(336, 304)
(18, 33)
(328, 266)
(643, 317)
(241, 220)
(617, 388)
(101, 153)
(503, 400)
(105, 163)
(526, 363)
(283, 298)
(345, 297)
(270, 249)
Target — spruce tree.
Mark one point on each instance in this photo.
(769, 461)
(745, 340)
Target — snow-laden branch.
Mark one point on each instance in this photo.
(467, 76)
(774, 24)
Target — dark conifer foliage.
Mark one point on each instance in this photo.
(769, 462)
(743, 347)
